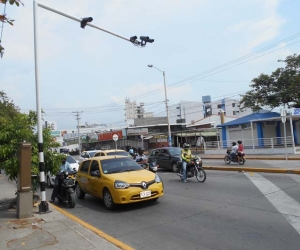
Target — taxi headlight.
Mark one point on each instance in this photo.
(157, 178)
(121, 184)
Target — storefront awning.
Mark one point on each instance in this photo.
(204, 133)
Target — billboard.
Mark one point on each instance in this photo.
(55, 133)
(108, 136)
(137, 131)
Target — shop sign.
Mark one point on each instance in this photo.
(137, 131)
(108, 136)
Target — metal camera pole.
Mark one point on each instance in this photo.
(167, 107)
(43, 207)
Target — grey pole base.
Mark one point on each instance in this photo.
(44, 207)
(24, 205)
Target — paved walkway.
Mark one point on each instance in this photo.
(50, 231)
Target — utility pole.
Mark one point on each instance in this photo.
(78, 118)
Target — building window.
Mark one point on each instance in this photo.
(220, 106)
(233, 112)
(233, 105)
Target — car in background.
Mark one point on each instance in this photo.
(89, 154)
(117, 180)
(166, 157)
(117, 152)
(51, 178)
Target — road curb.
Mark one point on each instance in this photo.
(264, 170)
(97, 231)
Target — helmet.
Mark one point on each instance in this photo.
(239, 142)
(233, 143)
(141, 150)
(186, 145)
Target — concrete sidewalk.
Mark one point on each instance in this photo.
(54, 230)
(277, 167)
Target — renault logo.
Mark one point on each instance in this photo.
(144, 184)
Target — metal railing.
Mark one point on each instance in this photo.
(275, 142)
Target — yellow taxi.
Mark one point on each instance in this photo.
(117, 152)
(117, 180)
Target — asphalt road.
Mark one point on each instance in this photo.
(230, 210)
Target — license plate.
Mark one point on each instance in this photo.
(145, 194)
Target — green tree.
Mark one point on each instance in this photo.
(5, 19)
(279, 88)
(16, 128)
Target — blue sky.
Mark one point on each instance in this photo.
(90, 71)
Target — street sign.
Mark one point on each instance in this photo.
(115, 137)
(283, 115)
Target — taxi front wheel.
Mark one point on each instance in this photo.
(79, 193)
(108, 200)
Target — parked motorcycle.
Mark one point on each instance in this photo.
(66, 193)
(240, 160)
(193, 169)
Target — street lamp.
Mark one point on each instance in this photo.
(167, 108)
(43, 207)
(283, 119)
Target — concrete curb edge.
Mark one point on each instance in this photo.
(263, 170)
(95, 230)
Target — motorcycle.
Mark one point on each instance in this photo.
(66, 192)
(193, 169)
(236, 158)
(151, 166)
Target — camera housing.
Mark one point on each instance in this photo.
(84, 21)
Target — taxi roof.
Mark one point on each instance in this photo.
(106, 157)
(114, 150)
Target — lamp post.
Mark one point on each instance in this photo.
(167, 108)
(283, 119)
(43, 207)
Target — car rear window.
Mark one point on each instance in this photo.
(118, 165)
(118, 153)
(70, 159)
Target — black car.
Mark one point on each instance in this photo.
(166, 157)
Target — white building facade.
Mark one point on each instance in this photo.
(192, 111)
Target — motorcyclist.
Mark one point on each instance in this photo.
(186, 156)
(240, 150)
(65, 166)
(234, 150)
(140, 158)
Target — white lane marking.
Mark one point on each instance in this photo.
(286, 205)
(295, 177)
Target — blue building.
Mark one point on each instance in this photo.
(262, 133)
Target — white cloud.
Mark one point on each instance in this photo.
(260, 30)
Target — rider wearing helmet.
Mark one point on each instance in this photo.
(65, 166)
(234, 150)
(186, 156)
